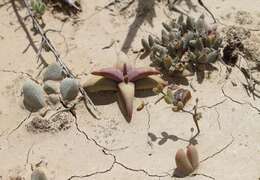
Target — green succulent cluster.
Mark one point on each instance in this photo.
(38, 7)
(185, 47)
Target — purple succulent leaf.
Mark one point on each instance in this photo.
(140, 73)
(111, 73)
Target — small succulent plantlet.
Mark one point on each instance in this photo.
(38, 174)
(69, 89)
(53, 72)
(33, 94)
(125, 79)
(178, 98)
(186, 163)
(38, 7)
(186, 47)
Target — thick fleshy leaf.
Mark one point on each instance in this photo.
(127, 91)
(111, 73)
(193, 156)
(34, 99)
(140, 73)
(184, 167)
(99, 83)
(149, 82)
(123, 66)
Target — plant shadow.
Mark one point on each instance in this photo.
(145, 12)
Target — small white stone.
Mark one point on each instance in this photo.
(33, 96)
(69, 89)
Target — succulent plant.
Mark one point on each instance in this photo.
(33, 94)
(51, 87)
(125, 79)
(69, 89)
(185, 47)
(53, 72)
(186, 163)
(38, 7)
(38, 174)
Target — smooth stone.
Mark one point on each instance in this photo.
(51, 87)
(33, 96)
(69, 89)
(53, 72)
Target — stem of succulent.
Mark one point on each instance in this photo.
(126, 80)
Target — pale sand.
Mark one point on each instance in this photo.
(68, 153)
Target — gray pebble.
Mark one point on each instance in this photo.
(33, 96)
(69, 89)
(53, 72)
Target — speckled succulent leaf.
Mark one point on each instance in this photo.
(150, 41)
(180, 19)
(190, 22)
(213, 56)
(145, 45)
(111, 73)
(187, 43)
(167, 27)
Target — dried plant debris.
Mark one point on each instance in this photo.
(125, 79)
(239, 43)
(234, 38)
(60, 122)
(186, 163)
(185, 47)
(243, 18)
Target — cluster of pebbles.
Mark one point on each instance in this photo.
(55, 85)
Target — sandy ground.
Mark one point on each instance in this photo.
(114, 149)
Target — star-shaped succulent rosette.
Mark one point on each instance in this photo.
(125, 79)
